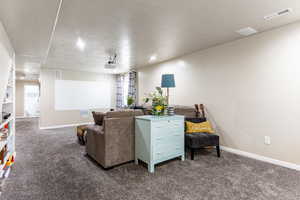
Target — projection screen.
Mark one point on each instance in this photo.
(81, 95)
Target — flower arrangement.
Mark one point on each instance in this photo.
(159, 101)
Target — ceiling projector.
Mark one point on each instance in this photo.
(112, 62)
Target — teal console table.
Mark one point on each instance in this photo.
(158, 139)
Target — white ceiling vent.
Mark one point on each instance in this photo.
(247, 31)
(278, 14)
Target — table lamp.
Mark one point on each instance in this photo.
(167, 81)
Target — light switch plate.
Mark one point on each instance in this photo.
(267, 140)
(84, 113)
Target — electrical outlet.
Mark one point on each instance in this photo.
(84, 113)
(267, 140)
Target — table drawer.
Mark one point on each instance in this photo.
(165, 143)
(168, 131)
(168, 123)
(167, 151)
(168, 134)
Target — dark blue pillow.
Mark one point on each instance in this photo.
(195, 119)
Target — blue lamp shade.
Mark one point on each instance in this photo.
(167, 81)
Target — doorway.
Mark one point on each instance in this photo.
(31, 100)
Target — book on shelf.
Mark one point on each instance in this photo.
(3, 155)
(3, 133)
(5, 173)
(5, 115)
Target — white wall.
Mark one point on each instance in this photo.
(251, 88)
(51, 117)
(6, 60)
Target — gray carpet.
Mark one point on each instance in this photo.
(52, 165)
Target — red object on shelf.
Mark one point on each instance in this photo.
(6, 125)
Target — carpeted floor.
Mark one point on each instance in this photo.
(52, 165)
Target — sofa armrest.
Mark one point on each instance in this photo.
(95, 143)
(119, 139)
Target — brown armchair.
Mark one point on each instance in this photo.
(113, 143)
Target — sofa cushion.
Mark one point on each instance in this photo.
(187, 111)
(147, 110)
(118, 114)
(123, 113)
(197, 140)
(96, 129)
(203, 127)
(138, 112)
(98, 117)
(195, 119)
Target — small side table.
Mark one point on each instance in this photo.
(158, 139)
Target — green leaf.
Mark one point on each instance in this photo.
(159, 90)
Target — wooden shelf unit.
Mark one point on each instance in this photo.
(8, 107)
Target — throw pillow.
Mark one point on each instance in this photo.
(98, 117)
(195, 119)
(204, 127)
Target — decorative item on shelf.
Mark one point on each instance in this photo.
(200, 110)
(3, 154)
(6, 172)
(3, 134)
(168, 81)
(5, 115)
(171, 111)
(159, 102)
(10, 161)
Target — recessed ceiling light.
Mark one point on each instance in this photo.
(152, 58)
(247, 31)
(181, 63)
(80, 44)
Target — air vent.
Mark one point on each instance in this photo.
(247, 31)
(278, 14)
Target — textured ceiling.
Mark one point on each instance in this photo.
(134, 29)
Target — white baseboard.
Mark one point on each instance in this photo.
(262, 158)
(20, 117)
(24, 117)
(65, 125)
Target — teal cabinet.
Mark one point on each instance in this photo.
(158, 139)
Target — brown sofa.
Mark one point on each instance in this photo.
(187, 111)
(113, 143)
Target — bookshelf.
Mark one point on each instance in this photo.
(7, 127)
